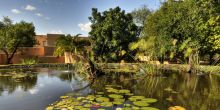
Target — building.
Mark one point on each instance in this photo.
(48, 40)
(43, 51)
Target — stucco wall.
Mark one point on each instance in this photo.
(45, 55)
(51, 39)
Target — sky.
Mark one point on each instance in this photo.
(64, 16)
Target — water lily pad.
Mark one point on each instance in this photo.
(107, 88)
(63, 97)
(90, 97)
(106, 104)
(135, 108)
(135, 98)
(126, 108)
(149, 108)
(129, 94)
(100, 93)
(117, 103)
(113, 91)
(124, 91)
(140, 103)
(115, 96)
(102, 99)
(176, 108)
(84, 101)
(80, 98)
(119, 100)
(78, 107)
(149, 100)
(127, 105)
(87, 105)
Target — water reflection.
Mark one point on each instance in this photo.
(9, 84)
(46, 86)
(190, 91)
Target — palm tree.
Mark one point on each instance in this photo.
(66, 44)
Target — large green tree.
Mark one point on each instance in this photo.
(112, 31)
(183, 28)
(13, 36)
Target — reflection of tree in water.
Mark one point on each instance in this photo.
(9, 84)
(78, 82)
(190, 91)
(120, 79)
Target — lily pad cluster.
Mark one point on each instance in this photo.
(17, 77)
(112, 98)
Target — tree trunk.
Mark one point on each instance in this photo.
(9, 58)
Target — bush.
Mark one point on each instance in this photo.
(30, 61)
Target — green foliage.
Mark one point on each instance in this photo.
(30, 61)
(15, 35)
(111, 33)
(193, 25)
(69, 44)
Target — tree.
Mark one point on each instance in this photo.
(69, 44)
(111, 33)
(13, 36)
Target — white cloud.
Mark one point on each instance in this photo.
(33, 91)
(85, 27)
(30, 8)
(56, 32)
(39, 14)
(15, 11)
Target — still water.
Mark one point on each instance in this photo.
(45, 86)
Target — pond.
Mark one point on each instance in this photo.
(41, 88)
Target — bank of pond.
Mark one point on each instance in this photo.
(61, 88)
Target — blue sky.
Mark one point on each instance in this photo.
(64, 16)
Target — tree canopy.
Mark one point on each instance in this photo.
(16, 35)
(180, 27)
(112, 31)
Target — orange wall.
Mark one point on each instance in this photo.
(44, 54)
(17, 59)
(51, 39)
(40, 39)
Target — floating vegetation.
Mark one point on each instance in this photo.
(169, 89)
(124, 91)
(104, 100)
(18, 77)
(141, 103)
(115, 96)
(176, 108)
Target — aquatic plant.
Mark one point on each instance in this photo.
(101, 101)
